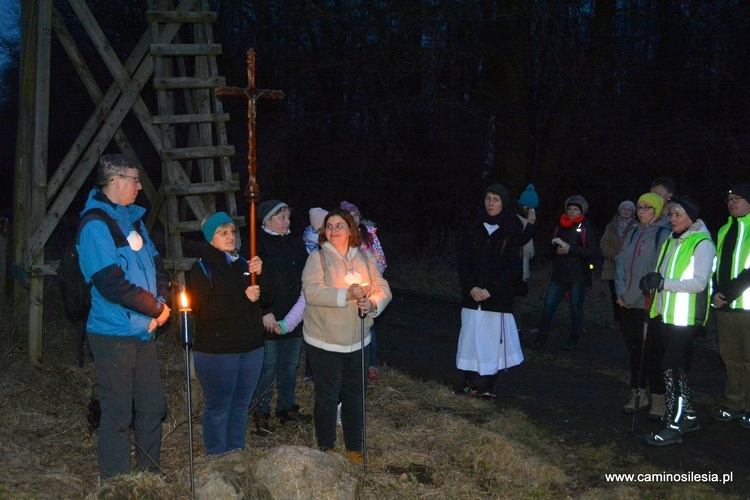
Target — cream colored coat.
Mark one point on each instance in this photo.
(331, 322)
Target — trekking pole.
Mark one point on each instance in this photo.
(364, 387)
(188, 341)
(649, 301)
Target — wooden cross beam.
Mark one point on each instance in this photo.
(251, 94)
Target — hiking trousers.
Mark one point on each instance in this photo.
(129, 383)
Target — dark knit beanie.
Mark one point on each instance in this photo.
(268, 208)
(499, 190)
(689, 204)
(742, 190)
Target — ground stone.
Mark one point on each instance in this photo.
(297, 472)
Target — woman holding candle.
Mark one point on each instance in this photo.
(228, 344)
(489, 263)
(338, 281)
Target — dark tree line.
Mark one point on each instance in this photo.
(409, 108)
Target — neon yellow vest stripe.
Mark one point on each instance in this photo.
(740, 258)
(679, 308)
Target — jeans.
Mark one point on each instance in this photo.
(280, 365)
(127, 377)
(229, 382)
(338, 377)
(555, 295)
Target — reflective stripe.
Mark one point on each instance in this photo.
(678, 308)
(740, 259)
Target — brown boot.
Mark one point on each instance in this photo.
(658, 408)
(262, 425)
(629, 407)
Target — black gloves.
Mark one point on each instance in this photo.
(652, 281)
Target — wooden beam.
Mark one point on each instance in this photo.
(39, 175)
(185, 49)
(24, 160)
(188, 82)
(168, 16)
(202, 188)
(192, 118)
(197, 152)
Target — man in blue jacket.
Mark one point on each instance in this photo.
(127, 305)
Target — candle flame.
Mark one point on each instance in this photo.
(184, 300)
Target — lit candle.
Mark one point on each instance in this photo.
(184, 310)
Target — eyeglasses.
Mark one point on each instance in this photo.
(644, 208)
(734, 199)
(137, 180)
(338, 227)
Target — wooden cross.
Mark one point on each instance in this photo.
(251, 94)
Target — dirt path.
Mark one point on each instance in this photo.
(575, 395)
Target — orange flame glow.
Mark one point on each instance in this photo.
(184, 300)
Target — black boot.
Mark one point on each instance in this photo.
(262, 426)
(293, 415)
(572, 342)
(539, 342)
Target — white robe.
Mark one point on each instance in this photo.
(488, 342)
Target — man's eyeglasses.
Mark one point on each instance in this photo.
(734, 199)
(644, 208)
(137, 180)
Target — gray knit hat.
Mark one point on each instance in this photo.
(578, 201)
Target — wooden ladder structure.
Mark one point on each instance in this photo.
(188, 133)
(196, 169)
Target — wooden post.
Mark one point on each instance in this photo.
(251, 94)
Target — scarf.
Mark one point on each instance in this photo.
(566, 221)
(622, 225)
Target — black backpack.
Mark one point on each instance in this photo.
(76, 293)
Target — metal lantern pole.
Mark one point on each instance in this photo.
(187, 341)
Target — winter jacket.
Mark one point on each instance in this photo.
(736, 290)
(310, 236)
(129, 285)
(226, 321)
(284, 259)
(611, 244)
(640, 250)
(375, 248)
(685, 264)
(576, 266)
(492, 261)
(331, 322)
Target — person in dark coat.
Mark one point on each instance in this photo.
(228, 344)
(489, 263)
(284, 259)
(574, 249)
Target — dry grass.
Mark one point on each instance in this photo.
(423, 441)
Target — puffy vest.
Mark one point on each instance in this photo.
(740, 258)
(680, 308)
